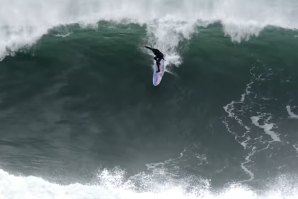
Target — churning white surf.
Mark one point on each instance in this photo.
(22, 23)
(112, 186)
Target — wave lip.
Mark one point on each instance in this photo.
(23, 23)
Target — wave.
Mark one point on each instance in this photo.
(112, 185)
(167, 21)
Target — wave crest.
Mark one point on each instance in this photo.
(167, 21)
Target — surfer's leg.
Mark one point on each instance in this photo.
(157, 61)
(158, 65)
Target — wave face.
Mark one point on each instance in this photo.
(81, 102)
(168, 21)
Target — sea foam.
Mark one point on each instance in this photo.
(12, 186)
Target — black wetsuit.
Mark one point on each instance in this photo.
(158, 56)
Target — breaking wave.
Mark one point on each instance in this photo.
(111, 184)
(167, 21)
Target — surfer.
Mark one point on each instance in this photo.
(158, 57)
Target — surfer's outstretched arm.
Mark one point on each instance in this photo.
(155, 51)
(148, 47)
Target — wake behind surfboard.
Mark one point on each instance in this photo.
(157, 77)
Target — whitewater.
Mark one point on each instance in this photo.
(22, 23)
(112, 185)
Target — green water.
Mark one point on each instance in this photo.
(73, 105)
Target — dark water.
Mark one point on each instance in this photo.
(73, 105)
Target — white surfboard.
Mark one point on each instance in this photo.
(157, 77)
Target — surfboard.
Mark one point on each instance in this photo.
(157, 77)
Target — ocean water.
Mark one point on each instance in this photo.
(80, 118)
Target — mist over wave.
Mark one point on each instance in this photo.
(168, 22)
